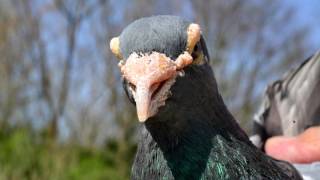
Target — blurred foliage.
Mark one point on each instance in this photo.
(26, 155)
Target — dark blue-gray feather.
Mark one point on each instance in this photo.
(164, 34)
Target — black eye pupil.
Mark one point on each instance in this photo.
(196, 48)
(132, 86)
(195, 52)
(128, 92)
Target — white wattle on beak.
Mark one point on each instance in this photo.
(147, 72)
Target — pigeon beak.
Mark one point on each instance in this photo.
(146, 73)
(152, 76)
(143, 101)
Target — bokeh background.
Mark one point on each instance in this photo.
(63, 114)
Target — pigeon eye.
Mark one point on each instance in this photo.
(196, 47)
(197, 53)
(129, 89)
(132, 86)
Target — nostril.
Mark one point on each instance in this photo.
(155, 89)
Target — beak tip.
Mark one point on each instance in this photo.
(142, 119)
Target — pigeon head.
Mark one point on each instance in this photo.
(162, 61)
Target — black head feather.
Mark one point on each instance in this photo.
(163, 34)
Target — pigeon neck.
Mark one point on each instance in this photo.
(188, 156)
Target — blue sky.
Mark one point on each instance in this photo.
(308, 13)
